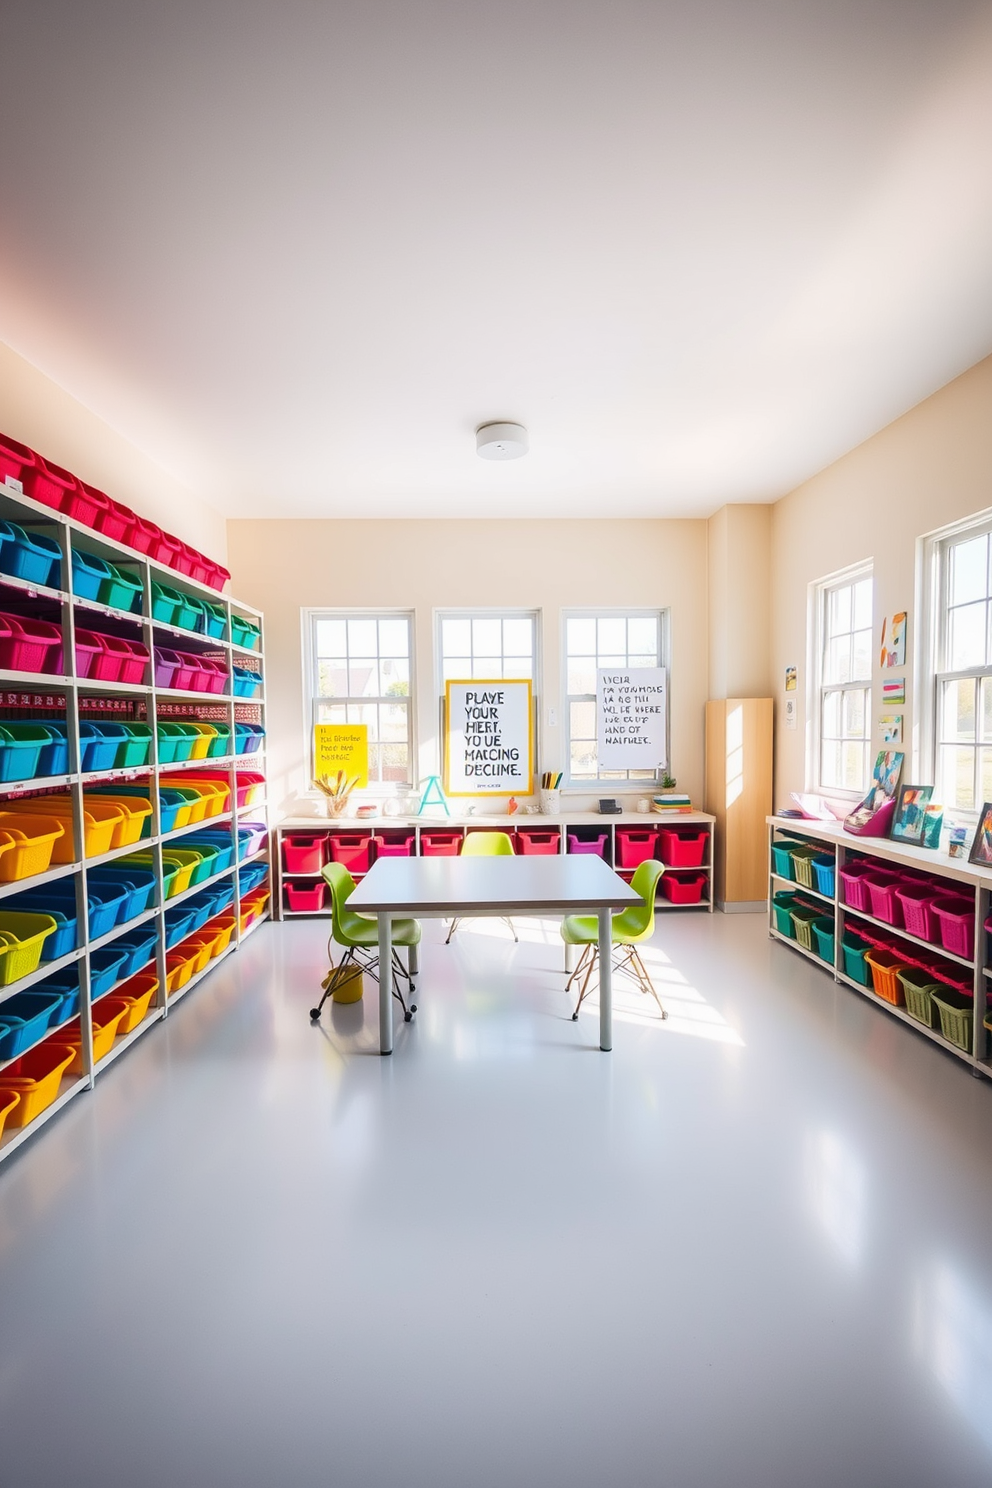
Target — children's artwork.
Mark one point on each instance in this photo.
(933, 820)
(893, 654)
(873, 817)
(791, 679)
(891, 726)
(981, 848)
(894, 691)
(910, 813)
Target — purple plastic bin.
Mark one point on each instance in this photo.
(882, 897)
(595, 845)
(917, 900)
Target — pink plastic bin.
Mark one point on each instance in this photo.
(684, 890)
(683, 849)
(107, 666)
(635, 845)
(538, 844)
(218, 576)
(304, 854)
(144, 536)
(854, 890)
(29, 645)
(15, 459)
(171, 669)
(134, 663)
(305, 898)
(351, 849)
(956, 917)
(85, 503)
(88, 647)
(115, 522)
(594, 845)
(394, 847)
(167, 550)
(49, 483)
(440, 844)
(882, 897)
(917, 900)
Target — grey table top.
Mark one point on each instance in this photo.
(502, 886)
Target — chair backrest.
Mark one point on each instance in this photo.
(639, 918)
(342, 886)
(487, 845)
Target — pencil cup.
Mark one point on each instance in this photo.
(550, 802)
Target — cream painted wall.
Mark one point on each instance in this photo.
(41, 414)
(739, 556)
(928, 469)
(423, 565)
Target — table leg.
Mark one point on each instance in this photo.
(606, 979)
(385, 983)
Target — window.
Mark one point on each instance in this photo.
(963, 670)
(635, 639)
(843, 670)
(486, 644)
(360, 673)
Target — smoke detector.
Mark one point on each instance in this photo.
(501, 441)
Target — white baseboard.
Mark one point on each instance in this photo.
(743, 906)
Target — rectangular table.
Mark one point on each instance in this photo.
(433, 888)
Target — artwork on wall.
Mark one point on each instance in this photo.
(894, 691)
(873, 816)
(981, 848)
(891, 727)
(910, 814)
(892, 652)
(791, 679)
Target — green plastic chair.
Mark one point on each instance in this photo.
(485, 845)
(629, 928)
(359, 935)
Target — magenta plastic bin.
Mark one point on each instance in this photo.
(171, 669)
(394, 847)
(956, 918)
(85, 503)
(594, 845)
(305, 898)
(854, 890)
(15, 459)
(917, 900)
(538, 844)
(134, 663)
(635, 845)
(303, 854)
(29, 645)
(882, 897)
(49, 483)
(144, 536)
(116, 521)
(88, 647)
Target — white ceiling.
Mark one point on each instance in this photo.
(297, 251)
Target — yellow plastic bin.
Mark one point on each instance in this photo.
(22, 939)
(137, 993)
(136, 811)
(179, 968)
(36, 1078)
(201, 746)
(107, 1015)
(101, 820)
(8, 1100)
(213, 795)
(184, 860)
(28, 845)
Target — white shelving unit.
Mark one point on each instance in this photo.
(958, 875)
(76, 698)
(588, 823)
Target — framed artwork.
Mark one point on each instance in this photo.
(891, 727)
(910, 813)
(981, 848)
(873, 816)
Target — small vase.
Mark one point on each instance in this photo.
(337, 806)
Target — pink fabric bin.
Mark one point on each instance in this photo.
(956, 917)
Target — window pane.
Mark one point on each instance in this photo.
(580, 637)
(642, 661)
(329, 638)
(861, 665)
(517, 666)
(362, 638)
(393, 722)
(582, 674)
(830, 767)
(487, 637)
(583, 720)
(363, 679)
(986, 686)
(487, 666)
(839, 610)
(853, 766)
(518, 637)
(862, 605)
(956, 774)
(394, 638)
(332, 678)
(985, 775)
(332, 713)
(969, 570)
(583, 758)
(642, 637)
(831, 715)
(456, 637)
(612, 641)
(958, 712)
(837, 662)
(456, 668)
(394, 762)
(395, 678)
(967, 637)
(854, 714)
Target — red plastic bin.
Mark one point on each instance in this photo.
(49, 483)
(208, 676)
(683, 849)
(116, 521)
(917, 900)
(305, 897)
(635, 845)
(107, 666)
(440, 844)
(538, 844)
(200, 567)
(167, 550)
(218, 576)
(854, 890)
(393, 847)
(882, 900)
(956, 918)
(596, 846)
(304, 854)
(185, 560)
(683, 890)
(85, 503)
(144, 536)
(15, 459)
(29, 645)
(350, 849)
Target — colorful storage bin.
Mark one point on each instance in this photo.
(350, 848)
(24, 1019)
(245, 683)
(304, 896)
(917, 901)
(957, 1017)
(22, 937)
(21, 745)
(245, 632)
(444, 844)
(782, 904)
(537, 844)
(106, 1017)
(853, 889)
(304, 854)
(594, 846)
(803, 916)
(393, 846)
(27, 842)
(882, 900)
(956, 919)
(824, 875)
(35, 1077)
(136, 994)
(29, 645)
(635, 845)
(854, 950)
(682, 849)
(918, 987)
(823, 938)
(885, 969)
(30, 556)
(686, 889)
(140, 947)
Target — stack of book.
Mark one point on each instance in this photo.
(669, 802)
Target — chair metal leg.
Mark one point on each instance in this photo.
(368, 961)
(578, 968)
(454, 927)
(593, 958)
(330, 982)
(512, 930)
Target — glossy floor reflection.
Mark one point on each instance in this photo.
(752, 1247)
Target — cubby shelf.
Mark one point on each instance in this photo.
(40, 695)
(959, 877)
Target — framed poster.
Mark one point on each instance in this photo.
(488, 738)
(632, 718)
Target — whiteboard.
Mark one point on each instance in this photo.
(489, 738)
(632, 718)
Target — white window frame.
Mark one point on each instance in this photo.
(819, 598)
(490, 612)
(311, 697)
(631, 781)
(932, 584)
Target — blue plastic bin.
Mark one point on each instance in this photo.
(65, 985)
(20, 750)
(135, 883)
(824, 872)
(106, 899)
(140, 946)
(252, 876)
(53, 757)
(88, 573)
(219, 840)
(30, 556)
(178, 923)
(246, 683)
(57, 899)
(97, 750)
(248, 738)
(24, 1018)
(105, 969)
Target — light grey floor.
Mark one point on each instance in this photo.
(751, 1247)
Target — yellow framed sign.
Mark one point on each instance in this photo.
(488, 738)
(344, 747)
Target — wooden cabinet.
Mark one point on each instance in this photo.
(739, 795)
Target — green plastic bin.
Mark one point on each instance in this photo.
(215, 617)
(823, 938)
(802, 917)
(175, 742)
(918, 988)
(220, 745)
(245, 632)
(957, 1017)
(121, 590)
(782, 910)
